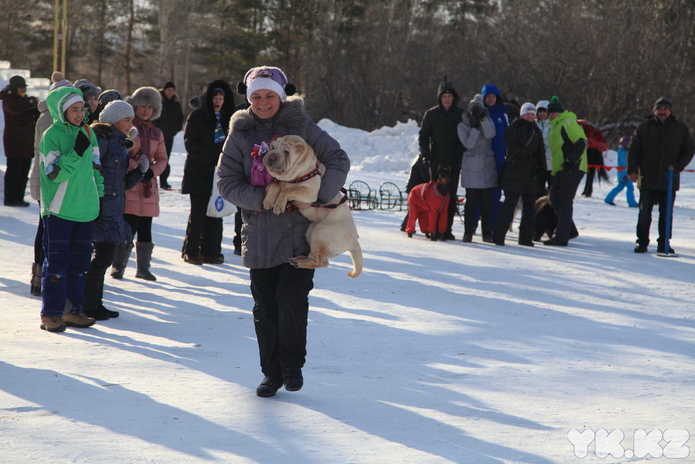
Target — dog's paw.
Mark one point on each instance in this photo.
(297, 261)
(267, 204)
(278, 208)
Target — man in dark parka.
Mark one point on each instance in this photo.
(440, 145)
(21, 114)
(660, 142)
(170, 122)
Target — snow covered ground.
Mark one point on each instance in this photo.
(441, 352)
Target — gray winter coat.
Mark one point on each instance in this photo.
(478, 168)
(269, 240)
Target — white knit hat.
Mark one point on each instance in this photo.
(71, 100)
(527, 107)
(115, 111)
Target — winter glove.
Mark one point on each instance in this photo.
(475, 119)
(425, 161)
(54, 173)
(82, 143)
(479, 112)
(148, 176)
(144, 164)
(571, 151)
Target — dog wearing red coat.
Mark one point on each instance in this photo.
(428, 204)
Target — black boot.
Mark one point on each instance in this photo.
(292, 378)
(36, 270)
(269, 387)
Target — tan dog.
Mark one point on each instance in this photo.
(298, 172)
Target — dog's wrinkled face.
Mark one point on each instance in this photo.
(288, 157)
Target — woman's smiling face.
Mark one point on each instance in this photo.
(265, 103)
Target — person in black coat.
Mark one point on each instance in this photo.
(170, 122)
(205, 133)
(524, 160)
(21, 114)
(440, 145)
(659, 143)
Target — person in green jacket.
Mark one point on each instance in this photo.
(71, 186)
(568, 144)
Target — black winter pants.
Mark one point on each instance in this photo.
(561, 196)
(647, 200)
(140, 226)
(203, 233)
(16, 177)
(164, 176)
(478, 198)
(506, 215)
(280, 313)
(94, 286)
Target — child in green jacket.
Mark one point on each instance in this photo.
(70, 189)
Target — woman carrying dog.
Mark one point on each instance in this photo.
(280, 291)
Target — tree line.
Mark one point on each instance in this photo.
(367, 64)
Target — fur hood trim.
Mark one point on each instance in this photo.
(291, 114)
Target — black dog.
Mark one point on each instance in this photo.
(546, 220)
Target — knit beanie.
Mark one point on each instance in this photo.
(527, 107)
(542, 105)
(625, 141)
(107, 96)
(115, 111)
(476, 101)
(266, 78)
(88, 89)
(169, 85)
(59, 80)
(71, 100)
(555, 106)
(663, 102)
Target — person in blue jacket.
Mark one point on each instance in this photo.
(498, 115)
(623, 178)
(110, 229)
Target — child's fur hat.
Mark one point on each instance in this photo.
(147, 96)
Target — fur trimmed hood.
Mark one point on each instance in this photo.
(291, 114)
(147, 96)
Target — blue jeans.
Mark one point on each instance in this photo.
(68, 249)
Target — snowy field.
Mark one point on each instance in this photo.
(441, 352)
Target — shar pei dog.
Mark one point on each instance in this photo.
(297, 171)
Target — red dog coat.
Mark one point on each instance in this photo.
(427, 205)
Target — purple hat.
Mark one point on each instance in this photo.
(266, 78)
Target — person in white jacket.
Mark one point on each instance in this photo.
(545, 178)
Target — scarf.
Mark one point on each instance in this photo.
(145, 129)
(219, 133)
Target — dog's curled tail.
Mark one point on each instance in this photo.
(357, 261)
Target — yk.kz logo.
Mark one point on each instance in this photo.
(669, 444)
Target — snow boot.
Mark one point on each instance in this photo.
(121, 256)
(36, 270)
(143, 254)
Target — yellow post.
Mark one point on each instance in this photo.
(56, 32)
(65, 35)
